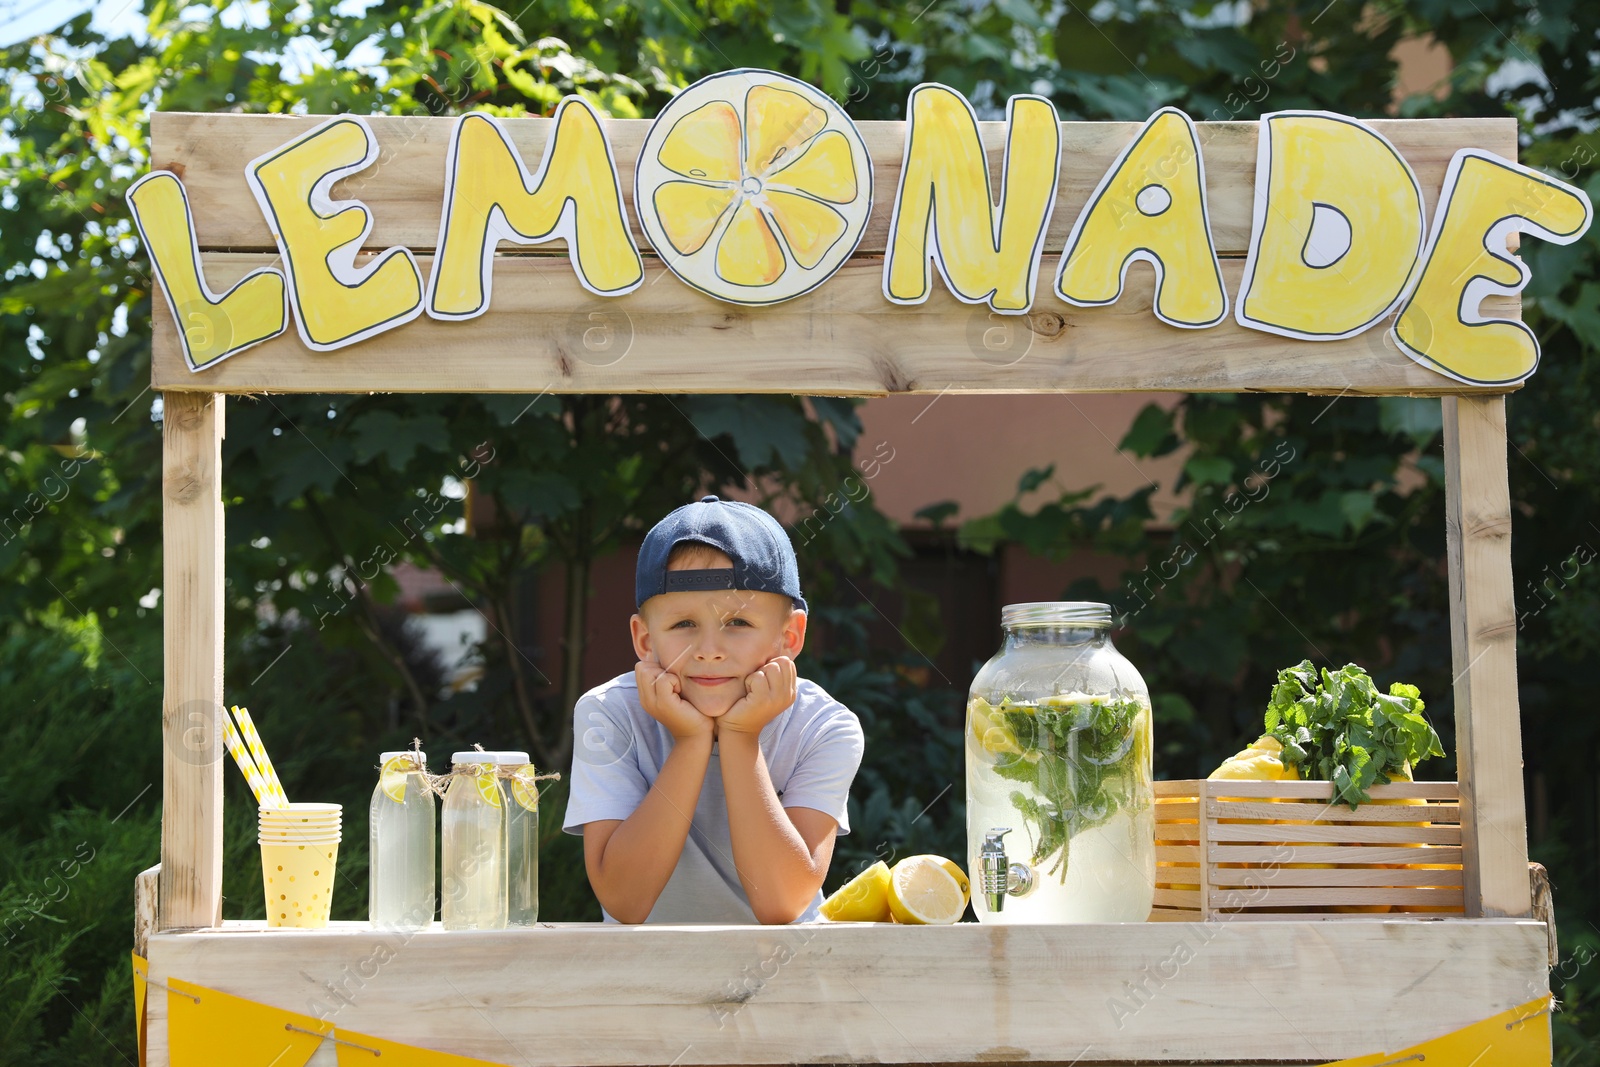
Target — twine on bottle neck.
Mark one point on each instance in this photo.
(439, 783)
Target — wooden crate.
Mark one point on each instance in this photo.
(1271, 850)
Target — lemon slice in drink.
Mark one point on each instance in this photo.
(863, 899)
(923, 892)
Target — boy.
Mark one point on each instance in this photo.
(709, 783)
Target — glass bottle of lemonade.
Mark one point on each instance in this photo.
(400, 828)
(472, 861)
(1060, 805)
(521, 800)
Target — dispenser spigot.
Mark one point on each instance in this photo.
(1001, 879)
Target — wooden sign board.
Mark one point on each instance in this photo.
(711, 304)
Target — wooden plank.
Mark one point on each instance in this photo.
(1324, 790)
(1297, 833)
(146, 906)
(1332, 896)
(1431, 854)
(1178, 853)
(545, 332)
(889, 994)
(1483, 647)
(1176, 787)
(191, 704)
(1332, 916)
(405, 188)
(1334, 812)
(1331, 876)
(1207, 839)
(1174, 915)
(1175, 810)
(1178, 898)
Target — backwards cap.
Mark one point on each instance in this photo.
(763, 558)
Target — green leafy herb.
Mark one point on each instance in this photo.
(1336, 726)
(1081, 755)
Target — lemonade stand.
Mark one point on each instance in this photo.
(755, 238)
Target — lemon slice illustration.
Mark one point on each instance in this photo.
(393, 777)
(753, 187)
(488, 787)
(523, 789)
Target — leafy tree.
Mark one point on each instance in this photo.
(1341, 557)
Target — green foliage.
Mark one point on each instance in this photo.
(1336, 727)
(1311, 527)
(79, 817)
(908, 797)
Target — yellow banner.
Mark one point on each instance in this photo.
(206, 1028)
(357, 1050)
(141, 970)
(1519, 1037)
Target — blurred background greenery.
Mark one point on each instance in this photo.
(1343, 560)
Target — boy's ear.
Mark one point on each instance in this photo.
(794, 634)
(641, 636)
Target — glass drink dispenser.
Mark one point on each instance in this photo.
(1060, 808)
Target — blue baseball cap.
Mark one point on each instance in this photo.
(763, 558)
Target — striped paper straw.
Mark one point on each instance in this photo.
(241, 756)
(269, 776)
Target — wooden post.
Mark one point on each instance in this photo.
(1483, 630)
(191, 515)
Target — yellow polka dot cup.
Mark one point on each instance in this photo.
(297, 868)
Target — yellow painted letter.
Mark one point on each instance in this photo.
(943, 209)
(1150, 206)
(1484, 200)
(1337, 230)
(335, 302)
(210, 327)
(490, 197)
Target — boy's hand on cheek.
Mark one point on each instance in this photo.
(767, 693)
(661, 695)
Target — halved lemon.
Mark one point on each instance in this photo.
(753, 187)
(863, 899)
(955, 870)
(923, 892)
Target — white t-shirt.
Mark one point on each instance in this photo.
(812, 751)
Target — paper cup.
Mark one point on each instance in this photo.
(298, 881)
(296, 839)
(302, 813)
